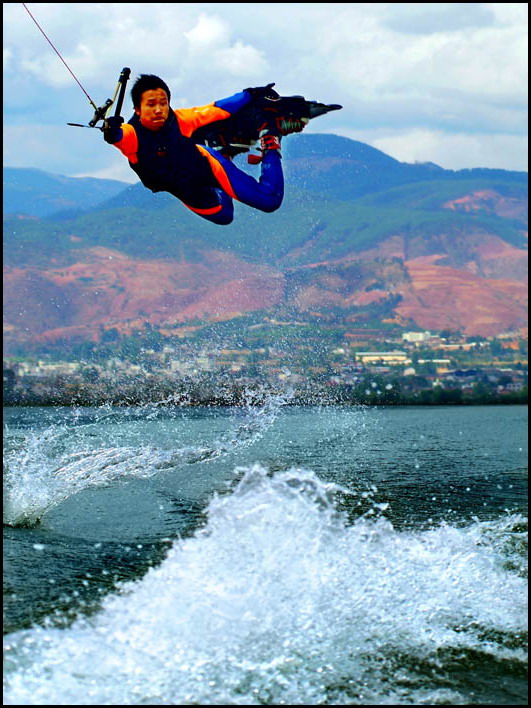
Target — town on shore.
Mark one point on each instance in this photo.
(417, 367)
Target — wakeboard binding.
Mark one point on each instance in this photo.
(240, 133)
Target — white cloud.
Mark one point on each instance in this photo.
(399, 69)
(119, 171)
(7, 58)
(488, 61)
(432, 18)
(510, 13)
(61, 150)
(242, 60)
(212, 48)
(208, 33)
(456, 151)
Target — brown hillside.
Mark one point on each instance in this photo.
(469, 280)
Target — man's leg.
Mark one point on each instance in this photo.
(221, 214)
(266, 194)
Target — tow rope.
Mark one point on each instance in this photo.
(100, 112)
(59, 55)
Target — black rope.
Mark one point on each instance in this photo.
(59, 55)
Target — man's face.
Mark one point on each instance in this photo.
(154, 109)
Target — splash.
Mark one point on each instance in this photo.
(279, 601)
(52, 465)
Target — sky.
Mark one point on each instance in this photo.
(423, 82)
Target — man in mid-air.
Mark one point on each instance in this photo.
(159, 143)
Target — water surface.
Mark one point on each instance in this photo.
(265, 555)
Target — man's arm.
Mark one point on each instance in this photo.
(190, 119)
(121, 135)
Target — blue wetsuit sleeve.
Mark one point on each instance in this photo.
(234, 103)
(190, 119)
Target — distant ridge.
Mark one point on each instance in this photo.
(35, 192)
(361, 238)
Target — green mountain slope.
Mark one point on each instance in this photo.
(144, 225)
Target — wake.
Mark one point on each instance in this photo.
(42, 472)
(280, 600)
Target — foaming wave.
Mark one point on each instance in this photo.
(42, 474)
(277, 600)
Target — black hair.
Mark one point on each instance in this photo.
(147, 82)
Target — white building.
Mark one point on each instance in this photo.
(416, 337)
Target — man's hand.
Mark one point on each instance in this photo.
(261, 92)
(112, 129)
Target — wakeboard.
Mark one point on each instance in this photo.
(239, 133)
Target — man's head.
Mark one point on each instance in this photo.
(151, 100)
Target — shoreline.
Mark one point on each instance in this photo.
(239, 400)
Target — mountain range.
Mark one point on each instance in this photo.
(361, 238)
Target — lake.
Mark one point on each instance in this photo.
(265, 555)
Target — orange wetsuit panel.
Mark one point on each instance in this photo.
(128, 145)
(205, 212)
(219, 172)
(191, 119)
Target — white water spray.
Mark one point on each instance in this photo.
(52, 465)
(278, 601)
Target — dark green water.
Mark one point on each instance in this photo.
(265, 556)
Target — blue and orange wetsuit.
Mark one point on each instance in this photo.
(168, 160)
